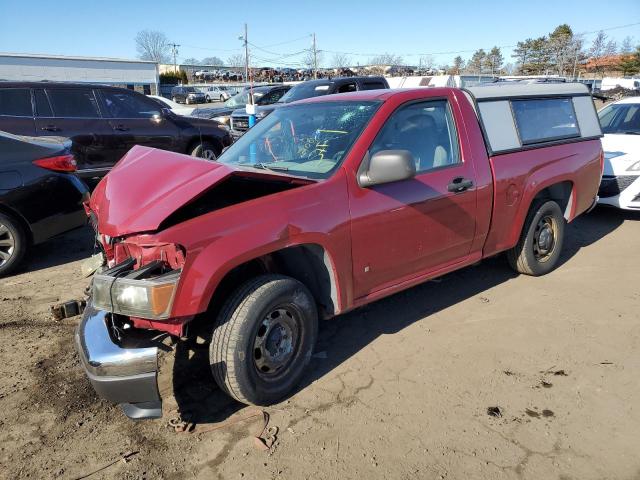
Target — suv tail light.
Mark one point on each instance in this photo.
(61, 163)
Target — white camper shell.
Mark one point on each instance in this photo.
(517, 117)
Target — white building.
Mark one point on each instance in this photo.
(133, 74)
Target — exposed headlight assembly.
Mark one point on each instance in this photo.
(150, 298)
(635, 167)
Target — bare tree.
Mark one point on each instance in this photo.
(152, 45)
(340, 60)
(427, 62)
(191, 61)
(627, 45)
(309, 59)
(236, 60)
(386, 59)
(598, 50)
(217, 61)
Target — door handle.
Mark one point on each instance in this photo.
(121, 128)
(50, 128)
(460, 184)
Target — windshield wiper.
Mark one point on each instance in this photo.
(265, 166)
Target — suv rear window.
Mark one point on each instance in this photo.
(73, 103)
(15, 102)
(373, 86)
(540, 120)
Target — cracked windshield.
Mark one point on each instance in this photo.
(310, 140)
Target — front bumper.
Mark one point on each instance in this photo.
(621, 191)
(127, 375)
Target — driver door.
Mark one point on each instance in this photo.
(406, 229)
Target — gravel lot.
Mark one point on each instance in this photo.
(398, 389)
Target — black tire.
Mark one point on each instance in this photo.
(13, 244)
(536, 253)
(207, 150)
(175, 100)
(221, 98)
(245, 321)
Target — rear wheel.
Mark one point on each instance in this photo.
(206, 150)
(221, 98)
(540, 244)
(263, 339)
(13, 244)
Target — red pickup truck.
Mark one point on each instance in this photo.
(325, 205)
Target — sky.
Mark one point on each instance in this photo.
(362, 28)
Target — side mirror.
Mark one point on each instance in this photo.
(386, 166)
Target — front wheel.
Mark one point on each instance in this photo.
(221, 98)
(263, 339)
(540, 244)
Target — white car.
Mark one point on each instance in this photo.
(216, 93)
(620, 186)
(173, 106)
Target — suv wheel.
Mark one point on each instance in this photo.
(175, 100)
(186, 101)
(263, 339)
(540, 244)
(221, 98)
(13, 244)
(206, 150)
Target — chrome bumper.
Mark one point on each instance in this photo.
(123, 375)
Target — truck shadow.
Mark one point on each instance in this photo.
(199, 399)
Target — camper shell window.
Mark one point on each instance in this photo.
(522, 116)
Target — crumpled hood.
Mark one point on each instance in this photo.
(147, 185)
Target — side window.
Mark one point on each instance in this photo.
(373, 86)
(273, 97)
(540, 120)
(15, 102)
(126, 105)
(426, 129)
(43, 107)
(73, 103)
(348, 87)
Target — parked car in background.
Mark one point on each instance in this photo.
(40, 197)
(620, 186)
(173, 106)
(104, 122)
(311, 88)
(328, 204)
(216, 93)
(266, 95)
(187, 95)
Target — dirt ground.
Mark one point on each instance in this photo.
(398, 389)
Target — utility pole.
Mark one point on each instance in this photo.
(246, 55)
(315, 58)
(174, 50)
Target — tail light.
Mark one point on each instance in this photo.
(61, 163)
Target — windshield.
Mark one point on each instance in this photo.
(242, 99)
(305, 90)
(190, 90)
(620, 118)
(308, 140)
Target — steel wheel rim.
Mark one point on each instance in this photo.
(7, 244)
(544, 238)
(276, 341)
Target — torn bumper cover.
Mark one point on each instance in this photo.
(127, 375)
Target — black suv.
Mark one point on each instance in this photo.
(311, 88)
(104, 122)
(187, 95)
(262, 95)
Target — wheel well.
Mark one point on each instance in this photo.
(18, 218)
(560, 193)
(309, 264)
